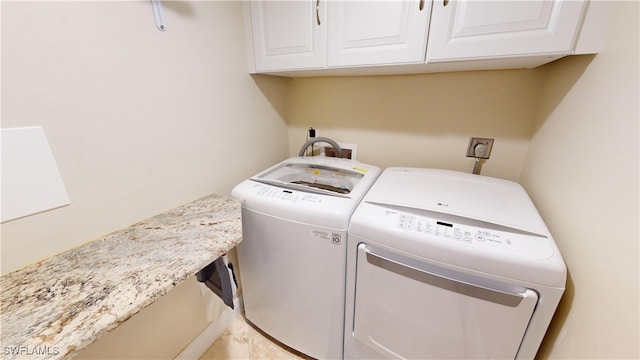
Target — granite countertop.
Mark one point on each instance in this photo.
(56, 307)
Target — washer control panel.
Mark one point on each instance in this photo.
(286, 194)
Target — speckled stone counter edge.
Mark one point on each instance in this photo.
(56, 307)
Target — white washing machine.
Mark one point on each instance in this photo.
(449, 265)
(292, 257)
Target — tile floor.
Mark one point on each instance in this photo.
(242, 341)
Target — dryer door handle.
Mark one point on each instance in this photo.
(446, 279)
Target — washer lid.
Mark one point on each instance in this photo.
(476, 197)
(337, 178)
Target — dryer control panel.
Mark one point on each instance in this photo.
(449, 230)
(468, 233)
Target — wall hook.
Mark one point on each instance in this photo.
(157, 14)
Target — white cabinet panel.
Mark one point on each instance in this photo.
(289, 34)
(464, 30)
(377, 32)
(325, 37)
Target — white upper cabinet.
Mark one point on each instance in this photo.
(289, 35)
(365, 32)
(351, 37)
(469, 30)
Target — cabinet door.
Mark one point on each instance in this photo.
(289, 35)
(466, 30)
(377, 32)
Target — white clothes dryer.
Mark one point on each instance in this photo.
(449, 265)
(292, 257)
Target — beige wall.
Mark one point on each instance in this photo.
(139, 121)
(132, 113)
(421, 120)
(582, 172)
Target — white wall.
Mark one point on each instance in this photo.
(582, 172)
(421, 120)
(139, 121)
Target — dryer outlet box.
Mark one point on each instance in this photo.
(479, 148)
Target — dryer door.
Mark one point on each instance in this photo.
(412, 310)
